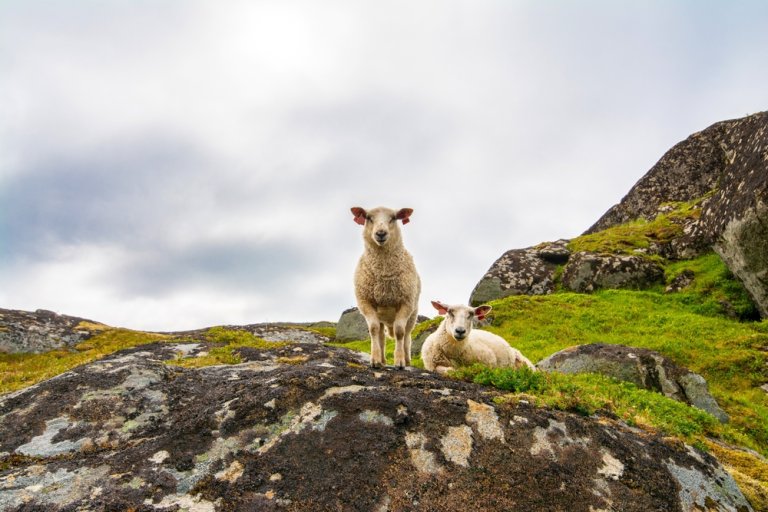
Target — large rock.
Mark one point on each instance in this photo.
(41, 331)
(528, 271)
(644, 368)
(588, 272)
(726, 165)
(351, 326)
(308, 427)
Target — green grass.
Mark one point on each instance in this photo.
(714, 286)
(638, 234)
(728, 353)
(228, 342)
(21, 370)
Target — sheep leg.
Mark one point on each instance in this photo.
(408, 329)
(378, 356)
(376, 330)
(401, 322)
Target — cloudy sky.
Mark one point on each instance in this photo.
(177, 164)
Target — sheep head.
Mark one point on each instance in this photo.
(381, 224)
(458, 318)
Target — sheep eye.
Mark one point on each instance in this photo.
(393, 219)
(368, 218)
(471, 314)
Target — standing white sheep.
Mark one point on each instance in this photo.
(456, 343)
(387, 286)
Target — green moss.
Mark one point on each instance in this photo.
(21, 370)
(638, 234)
(229, 342)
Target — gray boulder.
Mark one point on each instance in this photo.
(528, 271)
(42, 331)
(726, 167)
(351, 326)
(308, 427)
(644, 368)
(588, 272)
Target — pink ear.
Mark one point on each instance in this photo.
(482, 311)
(404, 215)
(440, 307)
(359, 214)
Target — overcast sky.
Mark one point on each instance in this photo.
(178, 164)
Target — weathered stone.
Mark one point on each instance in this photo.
(351, 326)
(588, 272)
(528, 271)
(743, 245)
(41, 331)
(644, 368)
(681, 282)
(338, 436)
(726, 165)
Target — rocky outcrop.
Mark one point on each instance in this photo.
(528, 271)
(41, 331)
(726, 165)
(720, 172)
(308, 427)
(588, 272)
(644, 368)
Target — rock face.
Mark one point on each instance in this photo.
(588, 272)
(41, 331)
(727, 163)
(351, 326)
(307, 427)
(528, 271)
(644, 368)
(723, 169)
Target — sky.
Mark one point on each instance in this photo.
(176, 164)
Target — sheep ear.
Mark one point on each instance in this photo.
(482, 311)
(404, 215)
(359, 214)
(440, 307)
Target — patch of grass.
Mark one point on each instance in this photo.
(716, 287)
(328, 331)
(748, 469)
(639, 234)
(728, 353)
(365, 346)
(21, 370)
(588, 394)
(228, 342)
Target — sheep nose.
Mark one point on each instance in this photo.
(460, 332)
(381, 234)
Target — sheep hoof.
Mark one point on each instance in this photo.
(400, 367)
(375, 365)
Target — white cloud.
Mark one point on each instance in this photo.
(197, 144)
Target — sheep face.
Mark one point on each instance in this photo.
(458, 318)
(381, 224)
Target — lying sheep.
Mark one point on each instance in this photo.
(387, 286)
(455, 343)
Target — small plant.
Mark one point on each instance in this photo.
(228, 342)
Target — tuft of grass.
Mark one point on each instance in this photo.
(639, 234)
(18, 371)
(228, 342)
(748, 469)
(588, 394)
(718, 291)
